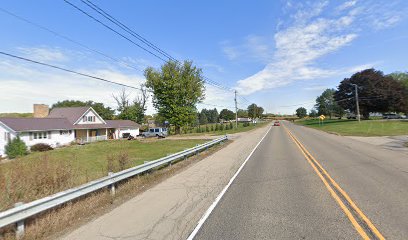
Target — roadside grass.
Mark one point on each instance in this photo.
(366, 128)
(43, 173)
(61, 220)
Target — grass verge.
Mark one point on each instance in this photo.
(62, 220)
(41, 174)
(365, 128)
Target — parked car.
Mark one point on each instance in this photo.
(351, 116)
(155, 132)
(391, 116)
(276, 123)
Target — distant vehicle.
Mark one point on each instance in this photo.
(351, 116)
(391, 116)
(155, 132)
(276, 123)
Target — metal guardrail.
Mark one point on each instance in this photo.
(19, 213)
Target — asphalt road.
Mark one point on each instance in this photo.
(282, 193)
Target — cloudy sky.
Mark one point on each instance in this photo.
(278, 54)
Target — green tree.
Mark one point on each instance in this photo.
(255, 111)
(105, 112)
(227, 114)
(177, 88)
(15, 148)
(377, 93)
(131, 109)
(242, 113)
(313, 113)
(401, 77)
(301, 112)
(327, 105)
(212, 115)
(202, 118)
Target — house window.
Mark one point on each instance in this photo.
(41, 135)
(91, 118)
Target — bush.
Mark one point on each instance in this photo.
(227, 127)
(15, 148)
(231, 125)
(216, 127)
(246, 124)
(41, 147)
(206, 128)
(212, 128)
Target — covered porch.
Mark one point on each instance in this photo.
(91, 135)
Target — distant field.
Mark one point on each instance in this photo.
(354, 128)
(40, 174)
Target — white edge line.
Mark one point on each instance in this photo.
(216, 201)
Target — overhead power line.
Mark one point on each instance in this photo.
(113, 30)
(68, 70)
(122, 26)
(69, 39)
(127, 29)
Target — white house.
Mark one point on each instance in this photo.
(63, 126)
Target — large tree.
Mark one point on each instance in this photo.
(255, 111)
(301, 112)
(177, 88)
(327, 105)
(242, 113)
(402, 77)
(105, 112)
(227, 115)
(376, 92)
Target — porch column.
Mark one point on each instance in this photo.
(106, 133)
(87, 135)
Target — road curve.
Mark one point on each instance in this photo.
(280, 195)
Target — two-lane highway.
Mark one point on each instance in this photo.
(305, 184)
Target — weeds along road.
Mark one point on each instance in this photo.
(302, 183)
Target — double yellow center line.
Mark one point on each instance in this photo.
(361, 223)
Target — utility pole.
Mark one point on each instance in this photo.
(357, 105)
(236, 110)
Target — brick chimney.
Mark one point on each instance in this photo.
(41, 111)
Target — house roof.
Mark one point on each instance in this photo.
(36, 124)
(72, 114)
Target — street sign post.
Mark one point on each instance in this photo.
(321, 118)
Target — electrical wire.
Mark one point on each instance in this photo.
(68, 70)
(69, 39)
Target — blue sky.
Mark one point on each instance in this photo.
(278, 54)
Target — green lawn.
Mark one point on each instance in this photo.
(40, 174)
(354, 128)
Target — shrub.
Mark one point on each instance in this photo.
(227, 127)
(246, 124)
(231, 125)
(15, 148)
(41, 147)
(206, 128)
(198, 129)
(212, 128)
(222, 127)
(216, 127)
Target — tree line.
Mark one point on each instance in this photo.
(377, 92)
(177, 88)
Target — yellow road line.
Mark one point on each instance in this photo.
(309, 157)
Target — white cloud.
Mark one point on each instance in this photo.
(46, 54)
(309, 37)
(24, 84)
(347, 5)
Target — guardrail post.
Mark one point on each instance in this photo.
(19, 224)
(112, 186)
